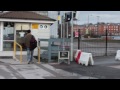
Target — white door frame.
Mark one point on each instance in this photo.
(2, 28)
(1, 36)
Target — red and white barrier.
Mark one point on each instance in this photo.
(84, 58)
(117, 57)
(77, 55)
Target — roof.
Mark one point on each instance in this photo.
(25, 15)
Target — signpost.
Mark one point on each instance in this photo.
(63, 55)
(76, 34)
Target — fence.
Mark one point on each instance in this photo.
(101, 46)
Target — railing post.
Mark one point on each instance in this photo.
(20, 54)
(38, 54)
(15, 43)
(38, 51)
(14, 49)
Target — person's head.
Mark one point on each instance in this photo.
(29, 31)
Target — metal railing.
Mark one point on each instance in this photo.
(16, 44)
(21, 49)
(38, 54)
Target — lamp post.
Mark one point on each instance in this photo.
(89, 21)
(107, 28)
(98, 24)
(106, 42)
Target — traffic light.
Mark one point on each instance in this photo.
(68, 17)
(74, 14)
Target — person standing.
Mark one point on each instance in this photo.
(30, 51)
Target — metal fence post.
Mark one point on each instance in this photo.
(106, 42)
(78, 39)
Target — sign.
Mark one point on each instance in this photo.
(22, 34)
(59, 18)
(35, 26)
(76, 34)
(63, 55)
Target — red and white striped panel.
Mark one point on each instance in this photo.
(77, 56)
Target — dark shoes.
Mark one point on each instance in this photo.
(30, 62)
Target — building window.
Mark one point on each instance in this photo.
(8, 36)
(8, 45)
(8, 32)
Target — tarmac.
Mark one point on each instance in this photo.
(104, 68)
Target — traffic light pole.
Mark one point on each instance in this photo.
(67, 29)
(72, 38)
(63, 34)
(61, 26)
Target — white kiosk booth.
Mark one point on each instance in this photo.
(13, 27)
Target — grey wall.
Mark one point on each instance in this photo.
(54, 27)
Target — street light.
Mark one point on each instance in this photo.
(98, 17)
(79, 34)
(98, 24)
(107, 28)
(89, 21)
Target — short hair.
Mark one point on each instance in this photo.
(29, 31)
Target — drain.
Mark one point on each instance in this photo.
(4, 57)
(1, 62)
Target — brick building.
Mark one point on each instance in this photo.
(99, 29)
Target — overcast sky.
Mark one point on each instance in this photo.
(104, 16)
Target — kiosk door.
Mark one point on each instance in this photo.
(21, 31)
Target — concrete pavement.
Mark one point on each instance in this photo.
(104, 68)
(11, 69)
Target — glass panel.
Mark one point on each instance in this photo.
(20, 38)
(8, 36)
(8, 32)
(8, 46)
